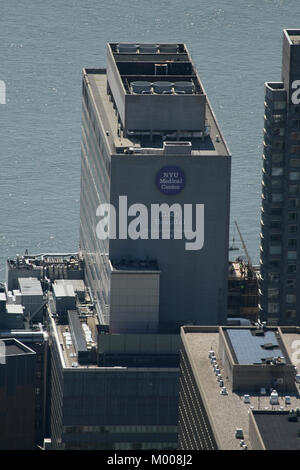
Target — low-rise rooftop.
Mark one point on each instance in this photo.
(228, 412)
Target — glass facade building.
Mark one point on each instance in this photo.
(280, 214)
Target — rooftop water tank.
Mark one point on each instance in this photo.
(148, 48)
(127, 48)
(168, 48)
(141, 87)
(184, 87)
(162, 87)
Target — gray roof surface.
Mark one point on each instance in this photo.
(277, 432)
(98, 83)
(61, 290)
(248, 347)
(226, 413)
(30, 286)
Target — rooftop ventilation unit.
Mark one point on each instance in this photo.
(162, 88)
(141, 87)
(168, 48)
(148, 48)
(184, 87)
(239, 434)
(269, 346)
(274, 398)
(127, 48)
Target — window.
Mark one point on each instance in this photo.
(294, 189)
(278, 145)
(293, 202)
(276, 183)
(275, 250)
(273, 277)
(295, 162)
(279, 105)
(278, 131)
(277, 158)
(296, 123)
(277, 171)
(292, 216)
(277, 197)
(274, 264)
(273, 307)
(292, 243)
(292, 228)
(277, 117)
(291, 283)
(295, 148)
(273, 293)
(275, 238)
(276, 211)
(292, 255)
(290, 298)
(275, 224)
(292, 268)
(290, 314)
(294, 175)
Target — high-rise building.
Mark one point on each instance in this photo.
(234, 383)
(280, 260)
(17, 395)
(152, 149)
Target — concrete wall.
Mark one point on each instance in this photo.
(193, 284)
(165, 112)
(134, 302)
(254, 434)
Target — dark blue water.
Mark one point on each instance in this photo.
(236, 46)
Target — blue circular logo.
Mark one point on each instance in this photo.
(170, 180)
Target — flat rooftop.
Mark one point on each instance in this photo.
(227, 412)
(13, 347)
(277, 432)
(251, 349)
(213, 144)
(30, 286)
(66, 342)
(144, 67)
(293, 35)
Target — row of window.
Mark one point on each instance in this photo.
(277, 250)
(121, 429)
(293, 175)
(273, 307)
(273, 293)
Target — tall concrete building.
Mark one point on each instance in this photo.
(150, 138)
(280, 260)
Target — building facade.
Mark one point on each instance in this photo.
(280, 216)
(226, 373)
(17, 396)
(127, 399)
(149, 137)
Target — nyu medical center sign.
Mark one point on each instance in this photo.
(170, 180)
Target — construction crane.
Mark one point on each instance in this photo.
(244, 246)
